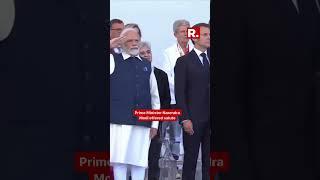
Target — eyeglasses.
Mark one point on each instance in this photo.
(118, 29)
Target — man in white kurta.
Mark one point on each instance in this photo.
(129, 144)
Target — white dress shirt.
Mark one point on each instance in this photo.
(199, 55)
(117, 50)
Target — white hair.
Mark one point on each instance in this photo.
(178, 23)
(126, 30)
(145, 44)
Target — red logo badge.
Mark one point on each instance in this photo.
(193, 33)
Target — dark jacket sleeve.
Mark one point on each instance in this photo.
(166, 91)
(180, 86)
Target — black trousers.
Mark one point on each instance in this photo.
(154, 156)
(191, 145)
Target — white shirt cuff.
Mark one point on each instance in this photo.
(155, 124)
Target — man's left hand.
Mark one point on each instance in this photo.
(153, 132)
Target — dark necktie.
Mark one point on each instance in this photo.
(205, 61)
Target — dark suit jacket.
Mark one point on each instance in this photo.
(192, 85)
(264, 76)
(163, 88)
(164, 92)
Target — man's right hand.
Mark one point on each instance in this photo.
(188, 127)
(116, 42)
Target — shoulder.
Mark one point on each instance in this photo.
(186, 57)
(181, 61)
(191, 55)
(160, 75)
(159, 71)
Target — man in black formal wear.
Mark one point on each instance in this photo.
(164, 94)
(192, 91)
(264, 55)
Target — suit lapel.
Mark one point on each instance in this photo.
(195, 58)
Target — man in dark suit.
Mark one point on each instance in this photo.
(192, 89)
(164, 94)
(264, 76)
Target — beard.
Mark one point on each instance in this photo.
(133, 51)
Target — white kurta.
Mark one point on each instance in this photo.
(130, 144)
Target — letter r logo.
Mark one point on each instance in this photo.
(193, 33)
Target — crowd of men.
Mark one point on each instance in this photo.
(180, 81)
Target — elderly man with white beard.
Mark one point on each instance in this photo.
(132, 86)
